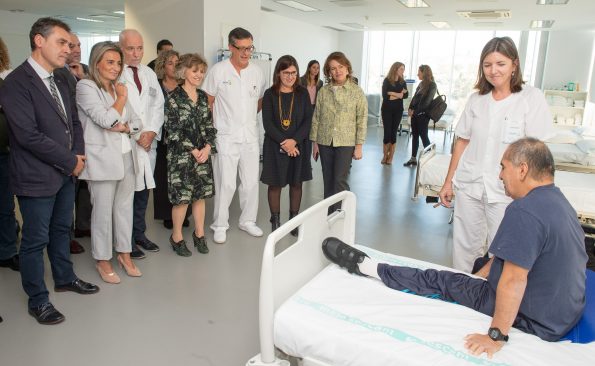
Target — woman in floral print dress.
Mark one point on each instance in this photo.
(191, 141)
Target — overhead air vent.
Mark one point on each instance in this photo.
(333, 28)
(355, 25)
(349, 3)
(485, 14)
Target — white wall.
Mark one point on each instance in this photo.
(568, 58)
(284, 36)
(221, 16)
(172, 20)
(352, 45)
(14, 30)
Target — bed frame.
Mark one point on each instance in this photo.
(422, 158)
(284, 273)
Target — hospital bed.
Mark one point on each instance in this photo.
(315, 314)
(577, 185)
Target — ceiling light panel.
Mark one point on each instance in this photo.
(552, 2)
(297, 5)
(541, 23)
(414, 3)
(89, 20)
(440, 25)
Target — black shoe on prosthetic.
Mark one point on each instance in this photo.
(343, 255)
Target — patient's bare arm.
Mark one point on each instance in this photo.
(485, 270)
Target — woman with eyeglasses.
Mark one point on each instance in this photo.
(311, 80)
(339, 124)
(109, 125)
(287, 117)
(424, 94)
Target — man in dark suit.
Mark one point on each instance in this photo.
(46, 154)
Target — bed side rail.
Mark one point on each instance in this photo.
(423, 157)
(283, 274)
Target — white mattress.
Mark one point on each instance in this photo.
(343, 319)
(579, 188)
(433, 173)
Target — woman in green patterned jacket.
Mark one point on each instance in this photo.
(339, 124)
(190, 142)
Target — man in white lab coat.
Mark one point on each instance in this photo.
(145, 96)
(235, 88)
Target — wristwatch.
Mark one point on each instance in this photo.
(496, 335)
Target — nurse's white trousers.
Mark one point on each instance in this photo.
(231, 159)
(474, 227)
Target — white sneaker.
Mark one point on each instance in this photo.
(220, 236)
(251, 229)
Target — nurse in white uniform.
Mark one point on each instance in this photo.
(499, 113)
(235, 88)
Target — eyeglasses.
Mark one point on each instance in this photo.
(244, 49)
(289, 74)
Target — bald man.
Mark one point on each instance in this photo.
(146, 98)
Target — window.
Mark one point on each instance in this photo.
(87, 42)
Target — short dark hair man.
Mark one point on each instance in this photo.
(536, 278)
(163, 45)
(46, 154)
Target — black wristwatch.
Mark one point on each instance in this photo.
(496, 335)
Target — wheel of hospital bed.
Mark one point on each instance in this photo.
(584, 331)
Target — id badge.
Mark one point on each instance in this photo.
(512, 130)
(152, 92)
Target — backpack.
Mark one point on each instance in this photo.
(437, 107)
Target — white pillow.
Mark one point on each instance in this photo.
(586, 146)
(586, 131)
(564, 137)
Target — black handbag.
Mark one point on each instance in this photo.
(437, 107)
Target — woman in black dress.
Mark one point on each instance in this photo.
(394, 90)
(287, 117)
(424, 94)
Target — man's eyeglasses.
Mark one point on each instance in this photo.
(244, 49)
(289, 74)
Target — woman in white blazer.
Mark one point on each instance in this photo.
(110, 125)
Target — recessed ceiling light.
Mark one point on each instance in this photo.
(89, 20)
(440, 25)
(355, 25)
(296, 5)
(552, 2)
(16, 10)
(390, 24)
(414, 3)
(541, 23)
(119, 12)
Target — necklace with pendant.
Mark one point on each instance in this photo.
(285, 118)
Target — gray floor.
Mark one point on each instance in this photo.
(202, 310)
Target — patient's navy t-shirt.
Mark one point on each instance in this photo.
(540, 232)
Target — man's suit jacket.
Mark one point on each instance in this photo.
(42, 149)
(71, 80)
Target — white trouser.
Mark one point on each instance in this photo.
(474, 227)
(233, 158)
(111, 217)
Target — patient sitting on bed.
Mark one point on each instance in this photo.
(535, 280)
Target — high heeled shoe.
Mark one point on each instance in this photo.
(112, 277)
(131, 271)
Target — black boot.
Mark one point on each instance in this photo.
(275, 221)
(295, 231)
